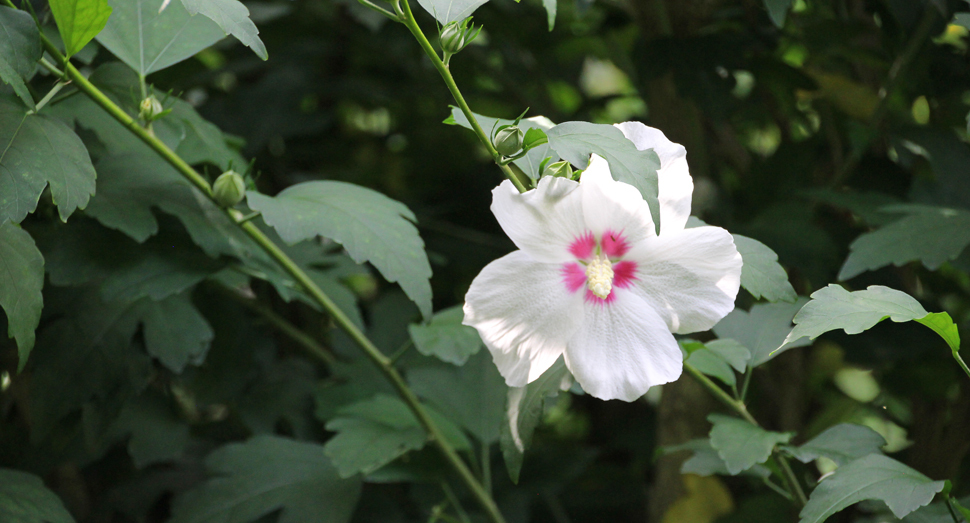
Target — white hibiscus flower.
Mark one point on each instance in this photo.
(595, 283)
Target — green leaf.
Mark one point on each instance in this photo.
(445, 338)
(575, 141)
(149, 38)
(374, 432)
(266, 474)
(155, 433)
(36, 150)
(534, 137)
(833, 307)
(472, 395)
(524, 412)
(872, 477)
(550, 6)
(740, 444)
(79, 21)
(706, 461)
(20, 50)
(711, 364)
(942, 324)
(762, 329)
(371, 226)
(446, 11)
(761, 274)
(932, 235)
(25, 499)
(842, 443)
(21, 281)
(175, 332)
(732, 352)
(233, 17)
(778, 10)
(531, 162)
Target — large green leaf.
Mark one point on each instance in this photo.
(842, 443)
(374, 432)
(575, 141)
(533, 159)
(79, 21)
(872, 477)
(445, 337)
(762, 329)
(932, 235)
(740, 444)
(266, 474)
(472, 395)
(524, 412)
(233, 17)
(149, 38)
(446, 11)
(37, 150)
(761, 273)
(21, 281)
(20, 50)
(371, 226)
(25, 499)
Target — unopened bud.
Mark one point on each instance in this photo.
(561, 169)
(229, 189)
(150, 108)
(508, 141)
(452, 37)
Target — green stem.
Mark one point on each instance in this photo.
(294, 270)
(407, 17)
(790, 478)
(747, 382)
(455, 502)
(53, 92)
(949, 506)
(961, 363)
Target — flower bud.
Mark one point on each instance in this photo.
(229, 189)
(452, 38)
(508, 141)
(150, 108)
(561, 169)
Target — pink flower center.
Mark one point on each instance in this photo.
(599, 266)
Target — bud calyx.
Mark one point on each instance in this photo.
(229, 188)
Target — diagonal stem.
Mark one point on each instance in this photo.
(294, 270)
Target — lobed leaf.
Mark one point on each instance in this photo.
(761, 274)
(21, 282)
(762, 329)
(740, 444)
(446, 338)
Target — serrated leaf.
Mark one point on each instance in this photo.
(371, 226)
(762, 329)
(712, 364)
(233, 17)
(175, 332)
(20, 50)
(374, 432)
(942, 324)
(524, 412)
(446, 11)
(154, 431)
(833, 308)
(705, 461)
(266, 474)
(149, 38)
(761, 274)
(533, 159)
(730, 351)
(445, 338)
(740, 444)
(872, 477)
(842, 443)
(778, 10)
(37, 150)
(25, 499)
(932, 235)
(472, 395)
(21, 282)
(575, 141)
(79, 21)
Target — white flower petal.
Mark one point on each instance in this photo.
(544, 221)
(622, 349)
(689, 277)
(609, 205)
(524, 314)
(676, 185)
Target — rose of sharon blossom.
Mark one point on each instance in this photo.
(593, 282)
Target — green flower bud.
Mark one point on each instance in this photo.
(561, 169)
(452, 37)
(229, 189)
(508, 141)
(150, 108)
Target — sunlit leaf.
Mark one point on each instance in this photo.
(762, 329)
(446, 338)
(740, 444)
(761, 274)
(446, 11)
(79, 21)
